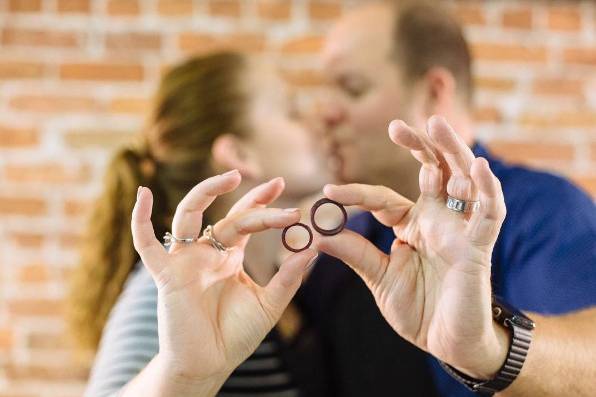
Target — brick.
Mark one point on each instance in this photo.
(225, 8)
(77, 208)
(133, 42)
(123, 7)
(525, 152)
(175, 7)
(6, 339)
(101, 71)
(130, 105)
(20, 70)
(557, 87)
(518, 18)
(36, 37)
(567, 18)
(47, 173)
(47, 340)
(494, 84)
(53, 103)
(303, 45)
(58, 372)
(487, 114)
(581, 118)
(84, 139)
(74, 6)
(12, 205)
(24, 5)
(27, 240)
(198, 42)
(508, 52)
(34, 274)
(36, 307)
(14, 137)
(324, 10)
(585, 56)
(469, 14)
(274, 9)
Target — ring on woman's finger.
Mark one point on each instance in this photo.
(170, 239)
(209, 235)
(458, 205)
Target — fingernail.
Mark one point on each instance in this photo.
(139, 191)
(312, 262)
(291, 209)
(234, 171)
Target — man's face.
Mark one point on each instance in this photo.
(364, 96)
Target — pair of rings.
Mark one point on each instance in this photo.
(320, 230)
(169, 239)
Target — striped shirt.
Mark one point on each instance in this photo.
(130, 341)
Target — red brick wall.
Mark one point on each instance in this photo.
(76, 75)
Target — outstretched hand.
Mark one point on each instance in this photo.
(434, 287)
(211, 314)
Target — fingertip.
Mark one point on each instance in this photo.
(328, 189)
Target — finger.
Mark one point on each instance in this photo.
(232, 231)
(485, 224)
(433, 171)
(386, 205)
(458, 156)
(357, 252)
(152, 253)
(280, 290)
(188, 218)
(259, 196)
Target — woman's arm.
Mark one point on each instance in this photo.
(129, 340)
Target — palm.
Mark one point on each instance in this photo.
(211, 314)
(212, 303)
(432, 281)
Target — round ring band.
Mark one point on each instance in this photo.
(218, 245)
(458, 205)
(328, 232)
(290, 248)
(169, 239)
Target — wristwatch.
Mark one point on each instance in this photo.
(521, 327)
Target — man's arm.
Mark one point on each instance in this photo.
(562, 357)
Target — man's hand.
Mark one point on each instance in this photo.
(434, 287)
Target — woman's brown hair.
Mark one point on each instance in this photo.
(197, 101)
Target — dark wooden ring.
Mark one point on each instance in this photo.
(327, 232)
(285, 243)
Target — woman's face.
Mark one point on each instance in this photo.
(280, 139)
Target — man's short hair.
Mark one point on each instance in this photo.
(426, 35)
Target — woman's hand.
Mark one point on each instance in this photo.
(211, 314)
(434, 288)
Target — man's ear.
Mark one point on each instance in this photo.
(440, 91)
(230, 152)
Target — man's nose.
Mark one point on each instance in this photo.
(333, 115)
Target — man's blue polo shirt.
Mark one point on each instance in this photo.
(544, 260)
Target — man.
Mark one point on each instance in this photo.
(411, 63)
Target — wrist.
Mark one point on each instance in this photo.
(493, 354)
(178, 382)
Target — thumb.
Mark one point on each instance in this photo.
(283, 286)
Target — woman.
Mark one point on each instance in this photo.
(212, 113)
